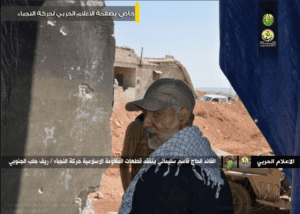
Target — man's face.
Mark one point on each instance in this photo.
(161, 125)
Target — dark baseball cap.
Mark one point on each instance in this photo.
(162, 94)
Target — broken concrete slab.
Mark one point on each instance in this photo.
(60, 104)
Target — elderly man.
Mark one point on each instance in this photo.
(137, 145)
(160, 186)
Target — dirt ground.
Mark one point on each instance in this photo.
(228, 127)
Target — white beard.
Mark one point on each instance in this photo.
(152, 144)
(155, 146)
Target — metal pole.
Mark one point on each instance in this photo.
(141, 56)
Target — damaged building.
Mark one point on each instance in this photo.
(134, 74)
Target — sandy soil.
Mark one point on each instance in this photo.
(228, 128)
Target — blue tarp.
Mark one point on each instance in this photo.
(267, 80)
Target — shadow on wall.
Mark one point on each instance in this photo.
(18, 42)
(125, 77)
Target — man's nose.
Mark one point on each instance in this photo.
(147, 121)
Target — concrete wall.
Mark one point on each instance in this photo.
(146, 78)
(141, 76)
(125, 76)
(124, 96)
(145, 74)
(130, 79)
(171, 71)
(59, 102)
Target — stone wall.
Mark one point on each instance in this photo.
(124, 96)
(146, 76)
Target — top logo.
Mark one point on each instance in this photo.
(268, 19)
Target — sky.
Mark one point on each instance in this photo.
(188, 30)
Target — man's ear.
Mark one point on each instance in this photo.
(184, 116)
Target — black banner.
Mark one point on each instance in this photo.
(275, 161)
(48, 162)
(268, 25)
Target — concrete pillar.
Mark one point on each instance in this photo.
(60, 104)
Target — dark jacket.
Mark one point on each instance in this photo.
(182, 194)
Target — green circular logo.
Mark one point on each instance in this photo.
(267, 35)
(268, 19)
(229, 163)
(245, 160)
